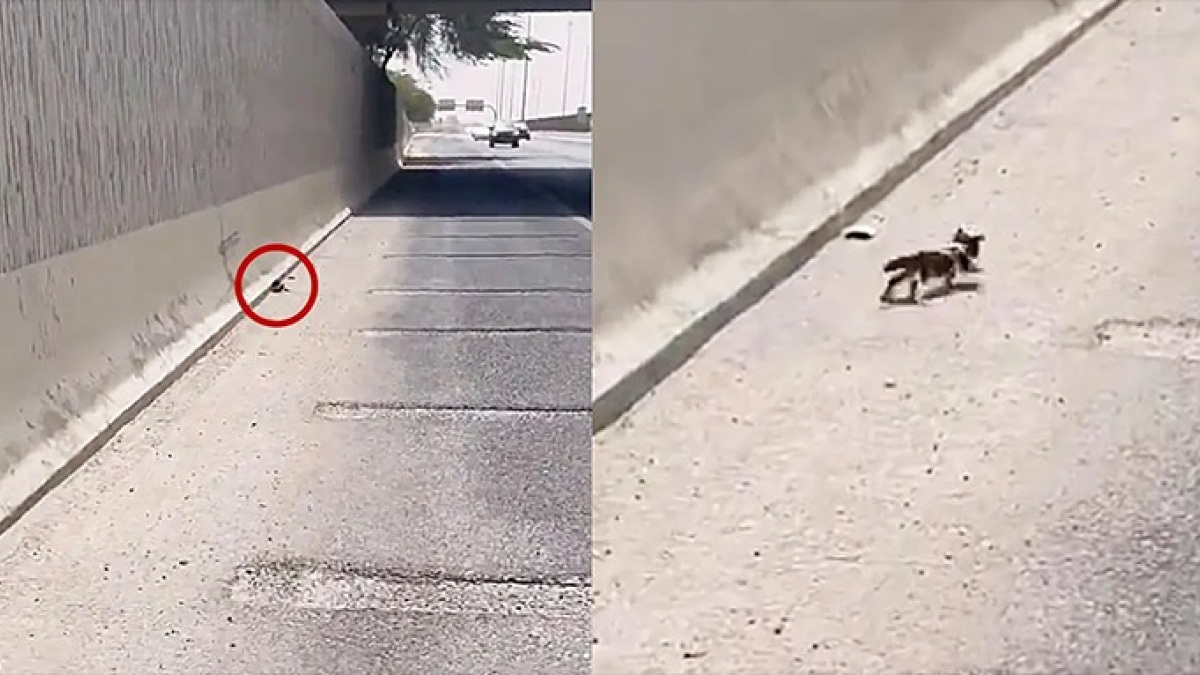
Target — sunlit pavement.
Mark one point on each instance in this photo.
(1007, 478)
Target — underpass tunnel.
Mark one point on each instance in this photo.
(249, 342)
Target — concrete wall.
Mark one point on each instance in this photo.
(719, 113)
(148, 146)
(561, 123)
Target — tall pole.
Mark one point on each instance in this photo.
(500, 87)
(567, 67)
(501, 99)
(536, 95)
(525, 67)
(516, 99)
(587, 71)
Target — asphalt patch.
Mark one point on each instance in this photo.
(333, 587)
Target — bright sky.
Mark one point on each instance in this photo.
(569, 67)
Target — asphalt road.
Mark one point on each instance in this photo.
(556, 163)
(1006, 480)
(399, 484)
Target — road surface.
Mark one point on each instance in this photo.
(1005, 480)
(399, 484)
(558, 163)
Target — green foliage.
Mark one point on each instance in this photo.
(429, 41)
(419, 106)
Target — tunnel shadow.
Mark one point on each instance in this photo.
(446, 189)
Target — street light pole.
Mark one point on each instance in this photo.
(500, 85)
(525, 67)
(587, 71)
(500, 100)
(567, 67)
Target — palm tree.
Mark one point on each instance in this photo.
(429, 41)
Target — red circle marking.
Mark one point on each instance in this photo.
(241, 274)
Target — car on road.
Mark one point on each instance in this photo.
(522, 130)
(506, 133)
(479, 132)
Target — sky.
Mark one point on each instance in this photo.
(548, 73)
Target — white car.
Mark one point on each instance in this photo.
(479, 132)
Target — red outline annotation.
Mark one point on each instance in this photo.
(241, 274)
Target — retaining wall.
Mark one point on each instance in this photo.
(561, 123)
(148, 146)
(721, 113)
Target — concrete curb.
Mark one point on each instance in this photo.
(407, 146)
(416, 153)
(627, 365)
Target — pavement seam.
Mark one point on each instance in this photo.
(342, 588)
(353, 410)
(472, 330)
(485, 256)
(480, 291)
